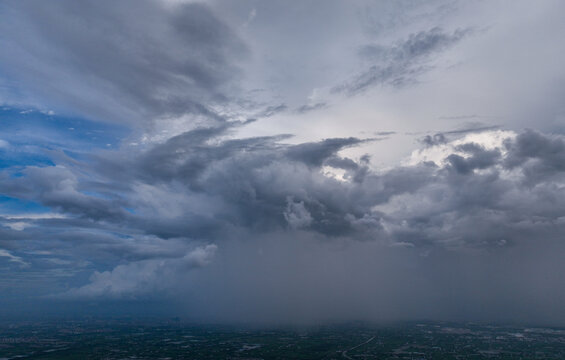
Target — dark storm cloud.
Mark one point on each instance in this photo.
(198, 186)
(403, 62)
(189, 155)
(200, 202)
(540, 156)
(119, 61)
(479, 158)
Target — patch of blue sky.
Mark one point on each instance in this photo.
(130, 210)
(14, 206)
(32, 130)
(20, 157)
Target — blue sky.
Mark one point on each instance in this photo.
(29, 133)
(267, 161)
(30, 137)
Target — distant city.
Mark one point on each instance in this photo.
(128, 339)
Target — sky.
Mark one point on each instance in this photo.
(283, 162)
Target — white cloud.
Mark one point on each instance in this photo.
(27, 219)
(141, 278)
(18, 225)
(13, 258)
(489, 140)
(296, 214)
(250, 17)
(34, 216)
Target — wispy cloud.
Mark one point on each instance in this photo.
(403, 62)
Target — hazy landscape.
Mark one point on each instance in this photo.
(127, 339)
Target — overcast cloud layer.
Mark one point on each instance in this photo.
(283, 162)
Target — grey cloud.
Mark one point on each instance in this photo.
(119, 61)
(249, 195)
(540, 155)
(247, 183)
(197, 161)
(474, 128)
(342, 163)
(188, 155)
(273, 110)
(311, 107)
(417, 45)
(402, 62)
(58, 188)
(479, 159)
(434, 140)
(444, 136)
(296, 214)
(316, 153)
(385, 133)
